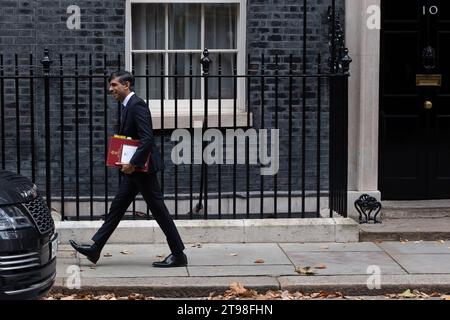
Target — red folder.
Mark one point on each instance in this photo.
(116, 148)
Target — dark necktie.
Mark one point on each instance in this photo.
(122, 111)
(122, 114)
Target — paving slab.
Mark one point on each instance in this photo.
(236, 254)
(424, 263)
(341, 263)
(256, 270)
(413, 247)
(128, 268)
(153, 252)
(330, 247)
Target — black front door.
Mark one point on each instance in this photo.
(415, 100)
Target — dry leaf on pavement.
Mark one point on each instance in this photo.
(305, 270)
(320, 266)
(238, 290)
(125, 252)
(446, 297)
(441, 241)
(233, 254)
(407, 294)
(107, 254)
(259, 261)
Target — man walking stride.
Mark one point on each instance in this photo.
(136, 123)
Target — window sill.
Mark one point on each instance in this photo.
(184, 120)
(185, 107)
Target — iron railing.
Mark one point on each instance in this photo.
(56, 119)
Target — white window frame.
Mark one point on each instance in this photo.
(197, 104)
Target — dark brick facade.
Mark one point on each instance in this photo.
(274, 27)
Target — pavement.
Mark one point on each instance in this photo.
(343, 267)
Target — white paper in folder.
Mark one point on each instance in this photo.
(127, 153)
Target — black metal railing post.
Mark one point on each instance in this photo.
(2, 111)
(105, 129)
(32, 122)
(205, 61)
(46, 63)
(91, 141)
(17, 99)
(339, 64)
(77, 140)
(61, 132)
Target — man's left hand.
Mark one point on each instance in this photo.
(127, 168)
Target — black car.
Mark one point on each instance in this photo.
(28, 242)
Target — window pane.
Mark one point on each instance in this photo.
(183, 63)
(148, 26)
(226, 62)
(184, 26)
(150, 84)
(220, 26)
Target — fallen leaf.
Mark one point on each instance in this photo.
(238, 290)
(196, 245)
(441, 241)
(136, 296)
(93, 266)
(324, 247)
(259, 261)
(305, 270)
(233, 254)
(125, 252)
(160, 256)
(435, 294)
(407, 294)
(107, 254)
(320, 266)
(446, 297)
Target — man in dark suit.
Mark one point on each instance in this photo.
(136, 123)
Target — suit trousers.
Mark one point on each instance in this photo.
(148, 186)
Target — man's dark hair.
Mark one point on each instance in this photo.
(123, 76)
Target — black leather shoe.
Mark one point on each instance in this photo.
(172, 261)
(91, 252)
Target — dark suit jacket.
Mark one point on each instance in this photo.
(137, 124)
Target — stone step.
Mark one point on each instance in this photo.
(415, 209)
(429, 229)
(220, 231)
